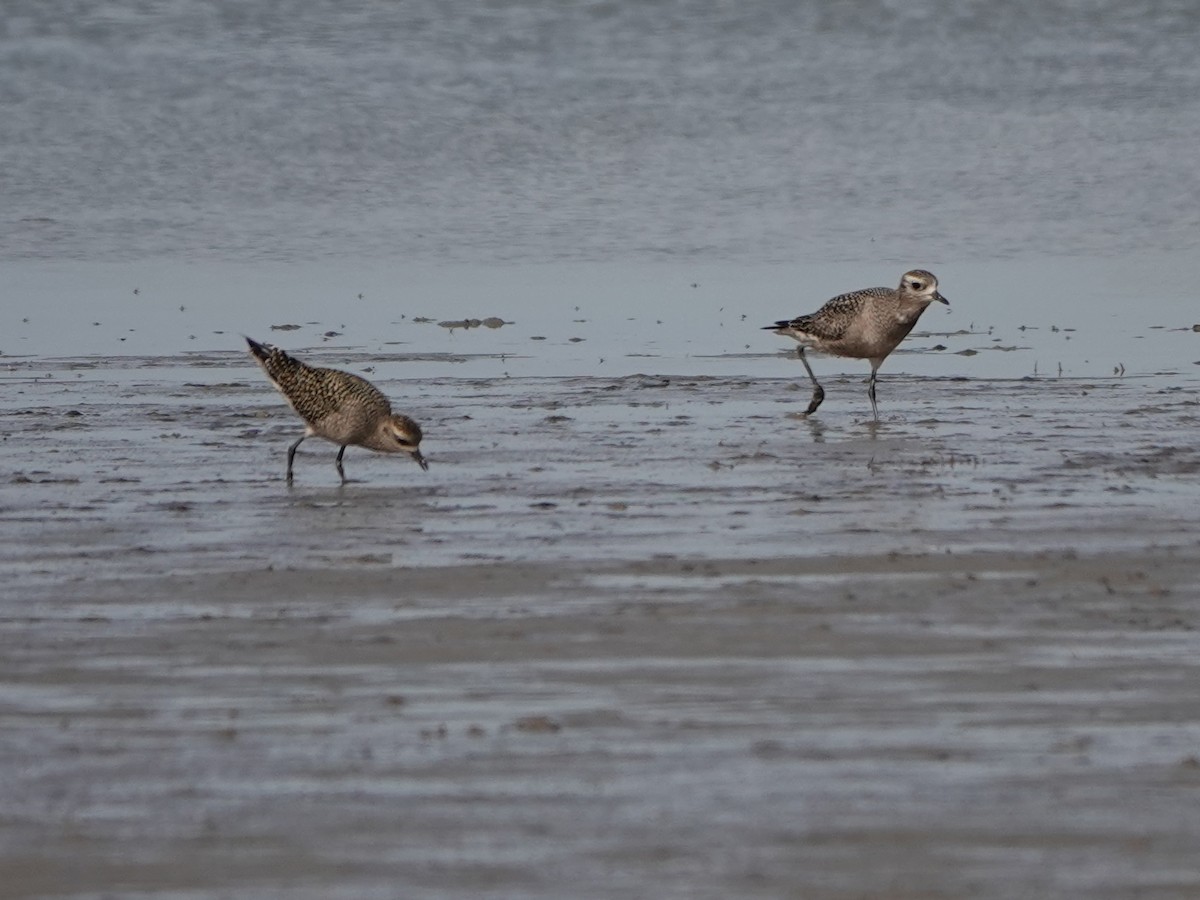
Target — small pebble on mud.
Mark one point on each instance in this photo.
(537, 725)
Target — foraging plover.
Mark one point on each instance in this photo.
(339, 407)
(866, 324)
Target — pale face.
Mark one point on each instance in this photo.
(922, 285)
(407, 436)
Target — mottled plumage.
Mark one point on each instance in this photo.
(867, 324)
(338, 406)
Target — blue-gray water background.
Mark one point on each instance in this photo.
(533, 131)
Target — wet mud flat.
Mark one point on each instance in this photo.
(628, 636)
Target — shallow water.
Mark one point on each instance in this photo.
(1012, 319)
(528, 131)
(180, 459)
(624, 630)
(638, 622)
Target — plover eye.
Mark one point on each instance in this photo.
(915, 285)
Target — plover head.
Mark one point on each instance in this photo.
(400, 434)
(921, 285)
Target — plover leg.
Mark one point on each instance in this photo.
(818, 394)
(338, 463)
(292, 456)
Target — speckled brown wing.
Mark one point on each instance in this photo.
(315, 393)
(829, 323)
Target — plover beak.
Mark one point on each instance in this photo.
(938, 297)
(416, 454)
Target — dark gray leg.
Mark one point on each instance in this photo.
(339, 463)
(871, 394)
(292, 456)
(818, 394)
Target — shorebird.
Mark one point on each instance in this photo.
(338, 406)
(867, 324)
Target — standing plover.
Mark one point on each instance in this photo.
(339, 407)
(866, 324)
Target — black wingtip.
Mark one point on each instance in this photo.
(778, 325)
(256, 348)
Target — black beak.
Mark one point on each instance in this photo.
(938, 297)
(416, 454)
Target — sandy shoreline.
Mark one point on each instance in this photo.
(990, 725)
(625, 632)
